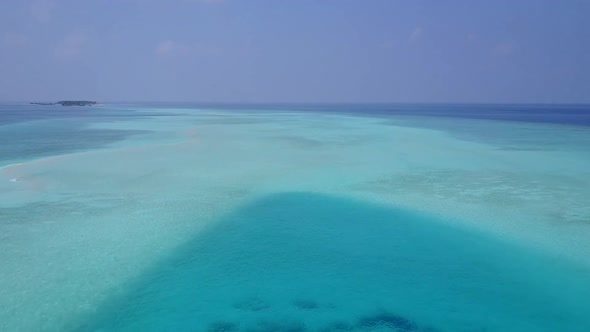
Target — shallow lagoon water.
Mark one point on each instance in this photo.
(217, 220)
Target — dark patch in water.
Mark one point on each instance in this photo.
(67, 131)
(275, 326)
(305, 304)
(223, 327)
(432, 329)
(49, 141)
(338, 327)
(387, 320)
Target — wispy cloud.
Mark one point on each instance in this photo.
(416, 34)
(171, 48)
(71, 46)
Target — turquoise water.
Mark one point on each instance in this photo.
(305, 261)
(222, 220)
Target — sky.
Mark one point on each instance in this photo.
(268, 51)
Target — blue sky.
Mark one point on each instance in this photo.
(296, 50)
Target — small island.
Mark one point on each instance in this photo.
(70, 103)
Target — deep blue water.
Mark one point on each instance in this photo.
(570, 114)
(33, 131)
(72, 133)
(15, 113)
(296, 262)
(578, 115)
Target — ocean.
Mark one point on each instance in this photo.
(286, 217)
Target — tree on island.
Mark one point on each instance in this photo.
(70, 103)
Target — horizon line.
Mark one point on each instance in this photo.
(312, 102)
